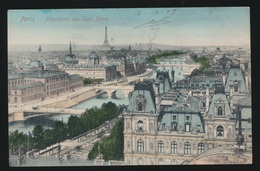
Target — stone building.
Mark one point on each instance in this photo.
(70, 58)
(27, 92)
(165, 126)
(236, 86)
(36, 85)
(93, 69)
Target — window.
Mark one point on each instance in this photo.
(160, 161)
(174, 147)
(187, 118)
(174, 117)
(140, 125)
(201, 148)
(236, 88)
(163, 126)
(140, 106)
(174, 126)
(160, 146)
(140, 161)
(220, 131)
(140, 145)
(187, 126)
(15, 99)
(187, 148)
(220, 111)
(203, 104)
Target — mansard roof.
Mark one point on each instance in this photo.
(235, 74)
(219, 98)
(44, 74)
(25, 86)
(146, 90)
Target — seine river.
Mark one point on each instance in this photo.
(48, 121)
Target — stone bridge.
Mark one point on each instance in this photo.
(47, 111)
(113, 89)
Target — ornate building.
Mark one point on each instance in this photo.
(165, 126)
(70, 58)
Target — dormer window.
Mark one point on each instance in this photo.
(163, 126)
(174, 126)
(220, 111)
(140, 103)
(140, 106)
(187, 126)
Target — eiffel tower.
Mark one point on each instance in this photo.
(106, 44)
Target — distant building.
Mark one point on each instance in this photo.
(40, 49)
(70, 58)
(36, 85)
(93, 69)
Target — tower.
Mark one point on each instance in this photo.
(40, 49)
(106, 44)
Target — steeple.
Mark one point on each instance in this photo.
(70, 53)
(40, 49)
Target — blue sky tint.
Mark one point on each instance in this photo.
(172, 26)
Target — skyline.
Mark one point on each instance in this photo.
(207, 26)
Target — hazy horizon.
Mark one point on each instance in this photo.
(207, 26)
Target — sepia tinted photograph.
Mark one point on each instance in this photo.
(129, 86)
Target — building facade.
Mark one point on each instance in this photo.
(165, 126)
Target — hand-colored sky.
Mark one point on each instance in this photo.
(173, 26)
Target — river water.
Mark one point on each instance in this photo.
(48, 121)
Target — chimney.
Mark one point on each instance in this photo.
(207, 99)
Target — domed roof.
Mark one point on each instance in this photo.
(70, 58)
(93, 55)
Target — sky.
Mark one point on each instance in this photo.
(205, 26)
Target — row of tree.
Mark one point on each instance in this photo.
(155, 58)
(110, 147)
(205, 64)
(41, 138)
(88, 81)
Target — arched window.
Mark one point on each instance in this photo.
(197, 85)
(220, 131)
(201, 148)
(192, 85)
(160, 161)
(187, 148)
(140, 145)
(140, 125)
(160, 146)
(174, 147)
(140, 106)
(140, 161)
(140, 103)
(220, 111)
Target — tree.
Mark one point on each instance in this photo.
(38, 137)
